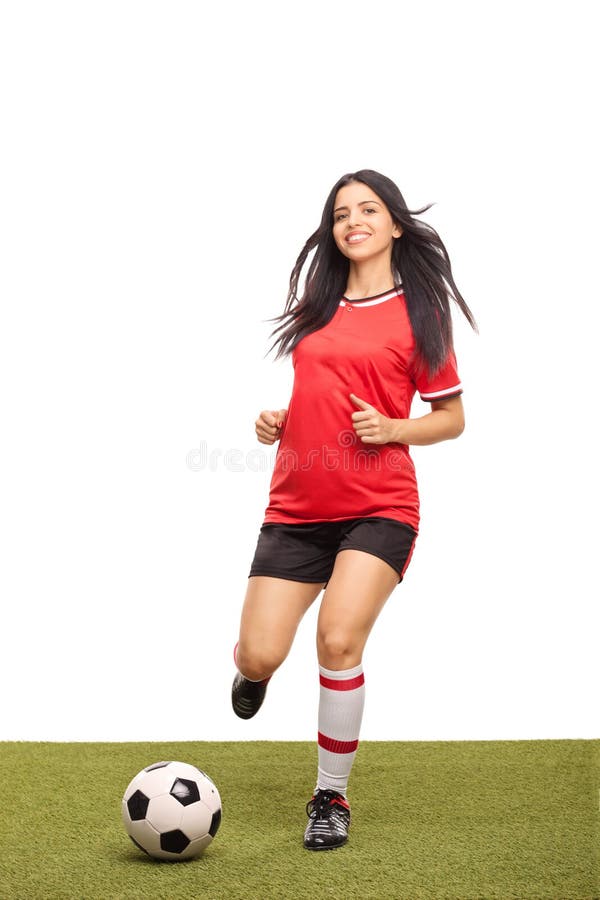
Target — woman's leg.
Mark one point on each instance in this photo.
(356, 592)
(272, 611)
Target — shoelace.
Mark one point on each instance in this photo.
(320, 803)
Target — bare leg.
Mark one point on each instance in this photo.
(356, 593)
(272, 611)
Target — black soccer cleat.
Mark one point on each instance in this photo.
(247, 696)
(328, 821)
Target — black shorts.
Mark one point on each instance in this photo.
(307, 551)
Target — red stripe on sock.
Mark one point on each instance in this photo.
(342, 684)
(333, 746)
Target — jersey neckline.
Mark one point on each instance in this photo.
(375, 298)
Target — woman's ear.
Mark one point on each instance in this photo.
(397, 231)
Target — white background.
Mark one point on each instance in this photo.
(162, 166)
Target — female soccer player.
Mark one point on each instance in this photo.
(372, 327)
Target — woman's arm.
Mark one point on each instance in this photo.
(445, 421)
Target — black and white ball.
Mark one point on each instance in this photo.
(171, 810)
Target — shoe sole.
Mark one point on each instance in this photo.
(327, 847)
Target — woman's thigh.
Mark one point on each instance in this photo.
(356, 593)
(272, 610)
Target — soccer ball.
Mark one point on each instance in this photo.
(171, 810)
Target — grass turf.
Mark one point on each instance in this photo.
(442, 820)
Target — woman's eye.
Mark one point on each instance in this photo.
(340, 216)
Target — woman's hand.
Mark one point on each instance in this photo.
(269, 425)
(371, 426)
(445, 421)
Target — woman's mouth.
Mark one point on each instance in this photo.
(357, 237)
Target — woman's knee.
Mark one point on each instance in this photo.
(338, 648)
(258, 662)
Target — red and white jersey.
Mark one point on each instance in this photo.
(323, 471)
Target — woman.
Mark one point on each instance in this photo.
(372, 327)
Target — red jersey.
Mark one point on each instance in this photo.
(323, 470)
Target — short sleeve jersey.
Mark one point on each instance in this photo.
(323, 471)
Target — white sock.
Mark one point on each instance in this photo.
(341, 703)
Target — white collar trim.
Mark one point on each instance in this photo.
(382, 299)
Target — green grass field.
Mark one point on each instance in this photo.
(460, 820)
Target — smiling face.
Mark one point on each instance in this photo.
(362, 225)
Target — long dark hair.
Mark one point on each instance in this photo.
(419, 261)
